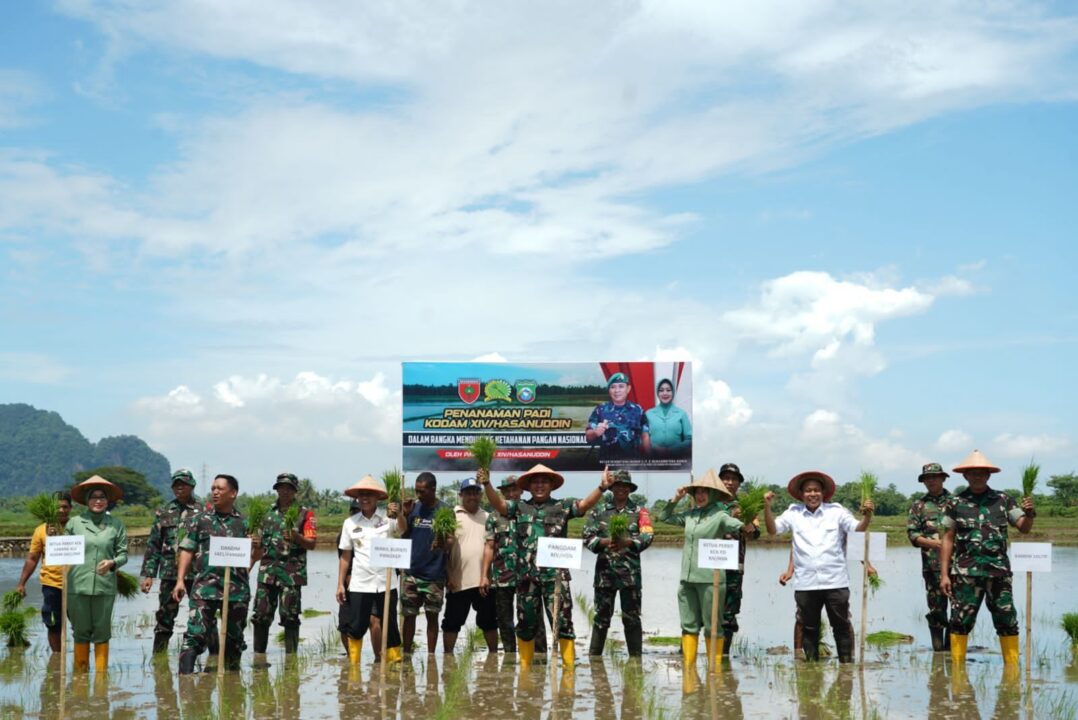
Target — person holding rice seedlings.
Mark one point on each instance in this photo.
(923, 530)
(745, 508)
(617, 531)
(92, 590)
(423, 585)
(973, 558)
(288, 532)
(464, 572)
(169, 523)
(361, 588)
(54, 514)
(821, 580)
(542, 516)
(705, 519)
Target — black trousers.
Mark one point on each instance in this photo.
(837, 602)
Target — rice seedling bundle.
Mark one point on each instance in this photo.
(46, 509)
(875, 582)
(869, 482)
(1070, 626)
(483, 450)
(394, 481)
(751, 502)
(257, 510)
(618, 527)
(888, 637)
(289, 519)
(126, 585)
(443, 525)
(1029, 478)
(13, 620)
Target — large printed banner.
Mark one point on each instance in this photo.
(568, 416)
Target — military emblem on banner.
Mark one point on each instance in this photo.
(468, 390)
(525, 391)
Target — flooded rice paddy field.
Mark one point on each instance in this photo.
(761, 680)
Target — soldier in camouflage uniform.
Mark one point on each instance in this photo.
(923, 528)
(542, 516)
(208, 584)
(282, 572)
(731, 477)
(617, 563)
(618, 425)
(160, 558)
(973, 560)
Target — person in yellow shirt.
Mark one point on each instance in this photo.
(51, 576)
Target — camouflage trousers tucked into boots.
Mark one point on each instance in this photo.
(937, 601)
(167, 608)
(630, 607)
(267, 598)
(732, 607)
(967, 593)
(202, 622)
(534, 597)
(503, 610)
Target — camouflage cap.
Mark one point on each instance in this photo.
(287, 478)
(625, 478)
(930, 469)
(183, 475)
(508, 481)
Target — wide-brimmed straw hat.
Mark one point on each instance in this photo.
(931, 469)
(975, 461)
(80, 491)
(369, 483)
(794, 486)
(524, 481)
(710, 480)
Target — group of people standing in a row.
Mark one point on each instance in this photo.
(489, 563)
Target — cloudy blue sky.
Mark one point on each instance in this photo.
(224, 225)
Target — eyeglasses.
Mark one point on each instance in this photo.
(95, 498)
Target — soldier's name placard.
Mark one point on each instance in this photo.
(65, 550)
(877, 546)
(391, 553)
(559, 553)
(1031, 557)
(230, 552)
(717, 555)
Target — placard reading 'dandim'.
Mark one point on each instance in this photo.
(559, 553)
(391, 553)
(1031, 557)
(877, 546)
(65, 550)
(717, 555)
(230, 552)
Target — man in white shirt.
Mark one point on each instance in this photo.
(465, 570)
(363, 600)
(819, 530)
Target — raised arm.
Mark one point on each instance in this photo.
(1025, 523)
(769, 516)
(493, 496)
(867, 509)
(582, 506)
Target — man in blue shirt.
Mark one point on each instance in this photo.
(618, 426)
(423, 585)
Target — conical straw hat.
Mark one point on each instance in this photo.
(711, 481)
(976, 461)
(525, 479)
(368, 482)
(80, 491)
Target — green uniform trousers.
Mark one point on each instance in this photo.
(694, 606)
(90, 617)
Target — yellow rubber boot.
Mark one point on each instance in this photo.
(958, 648)
(715, 658)
(82, 656)
(526, 651)
(355, 649)
(567, 648)
(1009, 646)
(394, 655)
(688, 648)
(101, 657)
(690, 680)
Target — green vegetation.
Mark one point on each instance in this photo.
(664, 640)
(888, 637)
(13, 619)
(45, 508)
(483, 450)
(1029, 478)
(443, 525)
(875, 582)
(312, 613)
(137, 491)
(751, 502)
(394, 481)
(618, 527)
(1070, 626)
(126, 585)
(258, 508)
(290, 518)
(869, 483)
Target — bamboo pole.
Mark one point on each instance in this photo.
(222, 630)
(385, 622)
(555, 645)
(1029, 622)
(716, 579)
(864, 597)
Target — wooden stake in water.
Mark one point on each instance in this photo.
(223, 629)
(385, 622)
(864, 598)
(63, 621)
(1029, 622)
(716, 579)
(555, 646)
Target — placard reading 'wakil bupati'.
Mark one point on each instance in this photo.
(391, 553)
(230, 552)
(559, 553)
(568, 416)
(717, 555)
(65, 550)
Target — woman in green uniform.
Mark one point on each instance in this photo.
(92, 588)
(704, 521)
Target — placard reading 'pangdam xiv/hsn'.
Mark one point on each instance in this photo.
(568, 416)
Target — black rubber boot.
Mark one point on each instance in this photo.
(598, 641)
(187, 662)
(728, 644)
(160, 642)
(213, 642)
(634, 641)
(939, 642)
(261, 638)
(291, 639)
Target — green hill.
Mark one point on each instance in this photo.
(40, 451)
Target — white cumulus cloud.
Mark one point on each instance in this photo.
(1017, 445)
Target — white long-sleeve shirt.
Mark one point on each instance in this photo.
(819, 544)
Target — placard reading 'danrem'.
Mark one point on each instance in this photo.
(573, 417)
(877, 546)
(391, 553)
(559, 553)
(717, 555)
(1031, 557)
(230, 552)
(65, 550)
